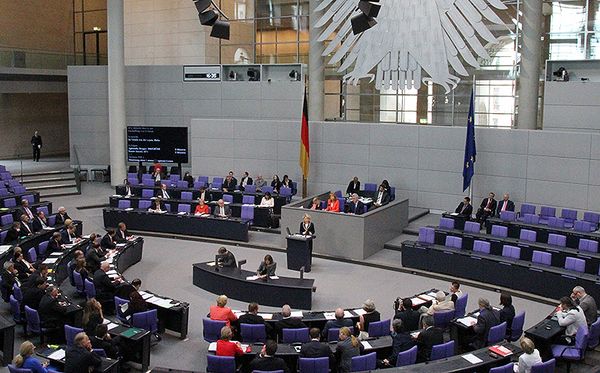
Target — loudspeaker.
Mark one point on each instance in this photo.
(201, 5)
(208, 18)
(361, 23)
(220, 29)
(369, 8)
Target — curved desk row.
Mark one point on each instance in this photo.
(273, 292)
(138, 220)
(41, 236)
(546, 281)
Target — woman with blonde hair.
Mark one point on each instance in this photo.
(92, 316)
(221, 312)
(26, 359)
(227, 347)
(333, 204)
(347, 347)
(530, 356)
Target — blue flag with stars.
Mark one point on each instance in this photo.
(470, 151)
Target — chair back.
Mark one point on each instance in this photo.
(555, 222)
(314, 365)
(499, 231)
(182, 184)
(186, 196)
(147, 193)
(287, 192)
(250, 189)
(295, 335)
(3, 236)
(14, 369)
(496, 333)
(528, 235)
(174, 178)
(472, 227)
(446, 223)
(211, 329)
(218, 180)
(517, 327)
(267, 188)
(124, 204)
(79, 286)
(442, 319)
(460, 306)
(508, 215)
(588, 245)
(333, 334)
(70, 333)
(183, 207)
(541, 257)
(146, 320)
(509, 251)
(247, 213)
(508, 368)
(581, 339)
(44, 209)
(15, 309)
(583, 226)
(199, 184)
(379, 328)
(118, 303)
(594, 338)
(42, 247)
(531, 219)
(426, 235)
(557, 240)
(455, 242)
(442, 351)
(148, 182)
(547, 367)
(575, 264)
(228, 198)
(32, 255)
(481, 246)
(90, 289)
(252, 333)
(29, 198)
(220, 364)
(569, 215)
(370, 187)
(6, 219)
(248, 200)
(3, 192)
(363, 363)
(216, 185)
(10, 202)
(592, 217)
(408, 357)
(33, 321)
(17, 292)
(144, 204)
(547, 212)
(146, 176)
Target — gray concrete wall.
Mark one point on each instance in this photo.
(572, 106)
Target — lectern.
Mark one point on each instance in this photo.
(299, 252)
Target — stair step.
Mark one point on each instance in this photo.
(49, 179)
(54, 186)
(43, 173)
(61, 194)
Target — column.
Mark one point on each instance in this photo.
(116, 91)
(531, 52)
(316, 67)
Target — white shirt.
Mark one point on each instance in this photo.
(29, 213)
(572, 320)
(526, 361)
(267, 202)
(165, 195)
(379, 198)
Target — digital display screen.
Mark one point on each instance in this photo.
(162, 144)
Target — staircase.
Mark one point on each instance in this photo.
(51, 183)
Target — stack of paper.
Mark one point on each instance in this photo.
(146, 296)
(212, 347)
(210, 264)
(57, 355)
(329, 315)
(416, 301)
(359, 311)
(274, 277)
(472, 359)
(252, 278)
(112, 325)
(467, 321)
(426, 297)
(50, 261)
(4, 248)
(296, 314)
(366, 345)
(347, 315)
(415, 335)
(266, 316)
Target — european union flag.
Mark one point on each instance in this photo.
(470, 151)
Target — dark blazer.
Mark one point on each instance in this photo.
(60, 219)
(110, 347)
(8, 280)
(66, 238)
(315, 349)
(311, 229)
(510, 206)
(229, 184)
(226, 208)
(336, 324)
(37, 224)
(385, 199)
(78, 360)
(358, 208)
(23, 271)
(108, 242)
(484, 203)
(487, 319)
(507, 313)
(427, 339)
(400, 342)
(51, 313)
(228, 260)
(268, 270)
(268, 364)
(410, 319)
(248, 181)
(32, 296)
(105, 289)
(26, 229)
(93, 259)
(353, 188)
(288, 323)
(53, 246)
(468, 210)
(164, 194)
(250, 318)
(121, 236)
(31, 280)
(11, 235)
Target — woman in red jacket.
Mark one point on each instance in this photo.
(225, 347)
(333, 204)
(202, 208)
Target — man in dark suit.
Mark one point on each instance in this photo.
(229, 183)
(40, 222)
(69, 236)
(51, 311)
(266, 360)
(487, 208)
(26, 228)
(36, 144)
(338, 323)
(401, 341)
(428, 338)
(40, 273)
(465, 208)
(409, 317)
(105, 288)
(25, 210)
(226, 258)
(55, 244)
(79, 357)
(246, 180)
(353, 186)
(13, 233)
(102, 340)
(382, 197)
(108, 241)
(162, 193)
(222, 210)
(122, 234)
(94, 257)
(354, 206)
(315, 348)
(252, 317)
(62, 216)
(587, 304)
(488, 318)
(32, 296)
(505, 205)
(287, 322)
(9, 279)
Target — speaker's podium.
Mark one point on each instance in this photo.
(299, 251)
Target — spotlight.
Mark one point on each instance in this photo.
(253, 75)
(361, 23)
(202, 5)
(369, 8)
(208, 18)
(294, 75)
(220, 29)
(232, 75)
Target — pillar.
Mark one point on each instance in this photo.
(116, 91)
(316, 67)
(531, 52)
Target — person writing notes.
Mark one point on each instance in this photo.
(267, 267)
(267, 201)
(307, 228)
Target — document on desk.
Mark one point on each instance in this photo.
(359, 311)
(426, 297)
(4, 248)
(366, 345)
(415, 335)
(112, 272)
(111, 325)
(472, 359)
(432, 294)
(266, 316)
(274, 277)
(129, 209)
(329, 315)
(416, 301)
(57, 355)
(145, 295)
(210, 264)
(296, 314)
(212, 347)
(50, 261)
(348, 315)
(467, 321)
(56, 253)
(166, 303)
(252, 278)
(48, 229)
(121, 244)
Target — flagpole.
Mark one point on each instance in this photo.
(474, 111)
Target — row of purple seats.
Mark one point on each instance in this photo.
(569, 215)
(555, 222)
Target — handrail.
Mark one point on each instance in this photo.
(77, 170)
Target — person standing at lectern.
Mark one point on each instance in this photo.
(36, 143)
(307, 228)
(226, 258)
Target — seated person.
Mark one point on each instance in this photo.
(260, 182)
(92, 316)
(32, 295)
(347, 348)
(382, 197)
(78, 254)
(287, 321)
(571, 317)
(353, 186)
(338, 323)
(276, 183)
(189, 178)
(267, 201)
(80, 267)
(51, 311)
(105, 287)
(128, 190)
(401, 341)
(13, 233)
(125, 289)
(9, 279)
(55, 244)
(26, 359)
(307, 228)
(69, 236)
(505, 205)
(40, 222)
(455, 291)
(94, 257)
(267, 267)
(229, 183)
(61, 216)
(370, 315)
(487, 319)
(354, 206)
(439, 305)
(26, 210)
(226, 258)
(204, 195)
(222, 210)
(587, 304)
(202, 208)
(252, 317)
(226, 347)
(23, 267)
(108, 242)
(427, 338)
(246, 180)
(287, 182)
(507, 313)
(465, 208)
(315, 348)
(79, 357)
(26, 227)
(266, 360)
(221, 312)
(333, 204)
(529, 357)
(122, 234)
(103, 341)
(157, 205)
(40, 273)
(136, 304)
(486, 209)
(163, 193)
(410, 318)
(315, 204)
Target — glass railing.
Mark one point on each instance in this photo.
(32, 59)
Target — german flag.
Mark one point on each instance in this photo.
(304, 142)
